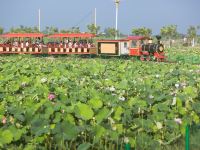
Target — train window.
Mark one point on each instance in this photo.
(133, 44)
(125, 45)
(138, 43)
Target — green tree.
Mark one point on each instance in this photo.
(93, 29)
(64, 31)
(1, 30)
(169, 32)
(23, 29)
(110, 32)
(192, 34)
(50, 30)
(75, 30)
(142, 31)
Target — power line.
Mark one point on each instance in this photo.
(83, 18)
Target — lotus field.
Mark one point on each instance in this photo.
(82, 103)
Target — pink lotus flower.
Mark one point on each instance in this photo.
(51, 96)
(4, 120)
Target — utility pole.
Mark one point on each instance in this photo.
(116, 19)
(39, 20)
(95, 17)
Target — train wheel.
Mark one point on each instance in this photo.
(148, 58)
(142, 58)
(159, 60)
(163, 60)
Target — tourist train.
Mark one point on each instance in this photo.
(82, 44)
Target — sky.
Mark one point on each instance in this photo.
(65, 14)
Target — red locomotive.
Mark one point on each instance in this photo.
(81, 44)
(138, 46)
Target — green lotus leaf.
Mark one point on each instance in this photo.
(123, 84)
(19, 117)
(95, 103)
(65, 130)
(49, 111)
(114, 135)
(57, 117)
(70, 119)
(84, 146)
(6, 137)
(163, 107)
(17, 133)
(120, 128)
(84, 111)
(2, 109)
(99, 131)
(158, 116)
(118, 113)
(102, 114)
(190, 91)
(29, 147)
(39, 126)
(196, 107)
(132, 141)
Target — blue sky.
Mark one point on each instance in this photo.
(132, 13)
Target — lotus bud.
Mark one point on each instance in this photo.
(177, 85)
(151, 96)
(159, 125)
(174, 101)
(112, 89)
(126, 140)
(121, 98)
(178, 120)
(51, 96)
(43, 80)
(4, 120)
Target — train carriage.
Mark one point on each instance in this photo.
(21, 43)
(113, 47)
(134, 46)
(128, 46)
(72, 43)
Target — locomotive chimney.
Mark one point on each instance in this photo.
(158, 37)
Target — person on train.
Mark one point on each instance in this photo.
(22, 44)
(70, 44)
(27, 43)
(89, 45)
(61, 44)
(15, 44)
(76, 44)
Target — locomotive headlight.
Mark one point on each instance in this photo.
(161, 48)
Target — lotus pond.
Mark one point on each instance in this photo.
(73, 103)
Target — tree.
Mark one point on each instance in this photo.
(23, 29)
(93, 29)
(64, 31)
(192, 33)
(169, 32)
(75, 30)
(110, 32)
(50, 30)
(142, 31)
(1, 30)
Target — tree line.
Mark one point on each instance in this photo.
(167, 32)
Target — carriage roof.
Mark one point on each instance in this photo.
(137, 38)
(22, 35)
(72, 35)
